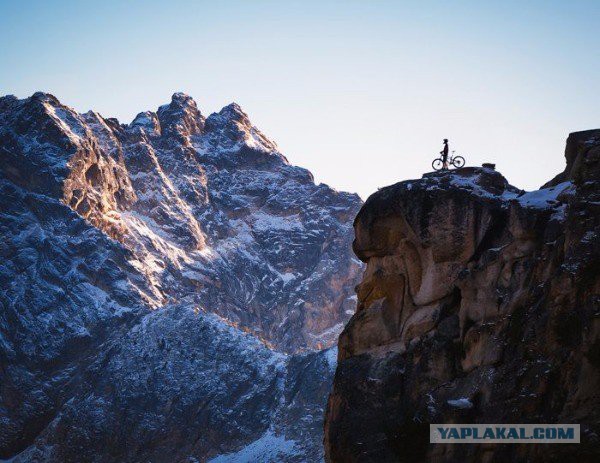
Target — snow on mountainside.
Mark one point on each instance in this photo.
(210, 208)
(246, 261)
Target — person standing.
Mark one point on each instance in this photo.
(444, 154)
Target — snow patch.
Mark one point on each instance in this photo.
(75, 131)
(267, 222)
(544, 198)
(462, 403)
(270, 448)
(331, 357)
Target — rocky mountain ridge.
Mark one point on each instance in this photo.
(166, 288)
(205, 204)
(479, 304)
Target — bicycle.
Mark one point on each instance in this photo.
(456, 161)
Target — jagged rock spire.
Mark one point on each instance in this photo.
(181, 116)
(234, 125)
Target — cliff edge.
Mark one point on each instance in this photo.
(479, 304)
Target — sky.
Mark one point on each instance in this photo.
(359, 92)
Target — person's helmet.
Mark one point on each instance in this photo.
(445, 140)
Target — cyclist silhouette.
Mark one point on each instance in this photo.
(445, 161)
(444, 153)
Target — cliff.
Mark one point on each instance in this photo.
(479, 304)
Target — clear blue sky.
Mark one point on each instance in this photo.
(361, 93)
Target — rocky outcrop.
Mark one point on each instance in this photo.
(48, 148)
(479, 304)
(167, 287)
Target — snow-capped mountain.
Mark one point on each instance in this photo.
(163, 286)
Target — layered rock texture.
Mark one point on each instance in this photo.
(167, 288)
(479, 304)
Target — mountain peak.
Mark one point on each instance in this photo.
(183, 99)
(233, 124)
(147, 120)
(43, 96)
(234, 111)
(181, 116)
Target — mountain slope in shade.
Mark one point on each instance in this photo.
(160, 281)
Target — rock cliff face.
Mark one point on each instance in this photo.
(166, 288)
(479, 304)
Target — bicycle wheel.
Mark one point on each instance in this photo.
(437, 164)
(458, 161)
